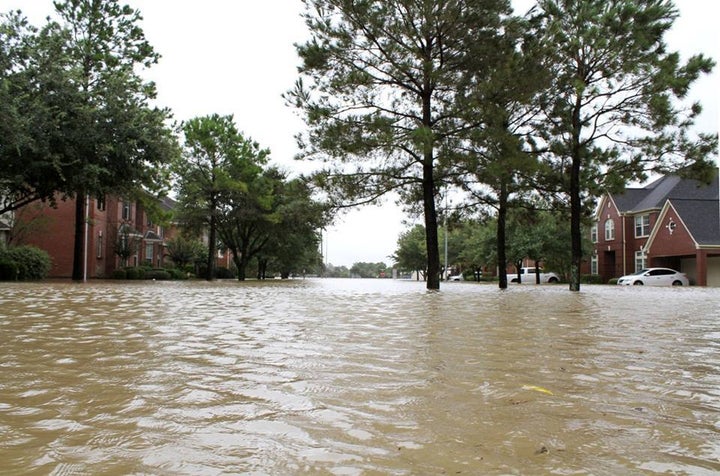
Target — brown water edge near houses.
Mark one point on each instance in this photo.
(357, 377)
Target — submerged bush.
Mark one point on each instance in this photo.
(177, 273)
(159, 274)
(224, 273)
(8, 269)
(24, 263)
(134, 273)
(591, 279)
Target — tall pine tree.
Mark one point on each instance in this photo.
(615, 110)
(378, 86)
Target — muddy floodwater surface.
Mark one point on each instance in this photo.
(357, 377)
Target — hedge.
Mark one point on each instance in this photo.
(20, 263)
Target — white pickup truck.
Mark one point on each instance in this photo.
(528, 276)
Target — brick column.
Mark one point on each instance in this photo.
(701, 267)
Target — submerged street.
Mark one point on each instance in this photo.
(353, 377)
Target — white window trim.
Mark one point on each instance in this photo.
(594, 265)
(640, 260)
(609, 230)
(644, 229)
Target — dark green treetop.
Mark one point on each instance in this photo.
(615, 110)
(377, 87)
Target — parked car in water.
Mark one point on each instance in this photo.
(655, 277)
(527, 275)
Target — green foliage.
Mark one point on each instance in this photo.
(8, 269)
(538, 234)
(214, 174)
(591, 279)
(157, 274)
(254, 211)
(127, 242)
(63, 80)
(176, 274)
(411, 253)
(336, 272)
(292, 245)
(134, 273)
(185, 251)
(370, 270)
(380, 100)
(23, 263)
(615, 109)
(80, 119)
(119, 274)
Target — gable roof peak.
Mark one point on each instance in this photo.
(653, 195)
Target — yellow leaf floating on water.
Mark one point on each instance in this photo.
(537, 389)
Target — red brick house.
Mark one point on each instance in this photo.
(672, 222)
(52, 229)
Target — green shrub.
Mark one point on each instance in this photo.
(24, 263)
(613, 281)
(177, 273)
(159, 274)
(591, 279)
(119, 274)
(8, 269)
(133, 273)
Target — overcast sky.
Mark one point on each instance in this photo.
(237, 57)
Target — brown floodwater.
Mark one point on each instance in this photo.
(357, 377)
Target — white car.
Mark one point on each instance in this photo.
(528, 276)
(655, 277)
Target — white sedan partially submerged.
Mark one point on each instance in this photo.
(655, 277)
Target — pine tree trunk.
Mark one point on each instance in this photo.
(431, 229)
(501, 237)
(212, 245)
(575, 204)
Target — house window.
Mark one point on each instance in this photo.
(594, 264)
(100, 245)
(609, 229)
(149, 253)
(642, 226)
(640, 260)
(100, 203)
(594, 233)
(126, 210)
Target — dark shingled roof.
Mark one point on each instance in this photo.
(669, 187)
(167, 203)
(702, 217)
(697, 203)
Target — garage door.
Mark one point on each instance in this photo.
(713, 271)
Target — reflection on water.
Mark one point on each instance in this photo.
(355, 377)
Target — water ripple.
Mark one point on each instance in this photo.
(357, 377)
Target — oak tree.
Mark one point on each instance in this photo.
(218, 163)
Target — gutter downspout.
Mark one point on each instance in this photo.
(624, 247)
(87, 229)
